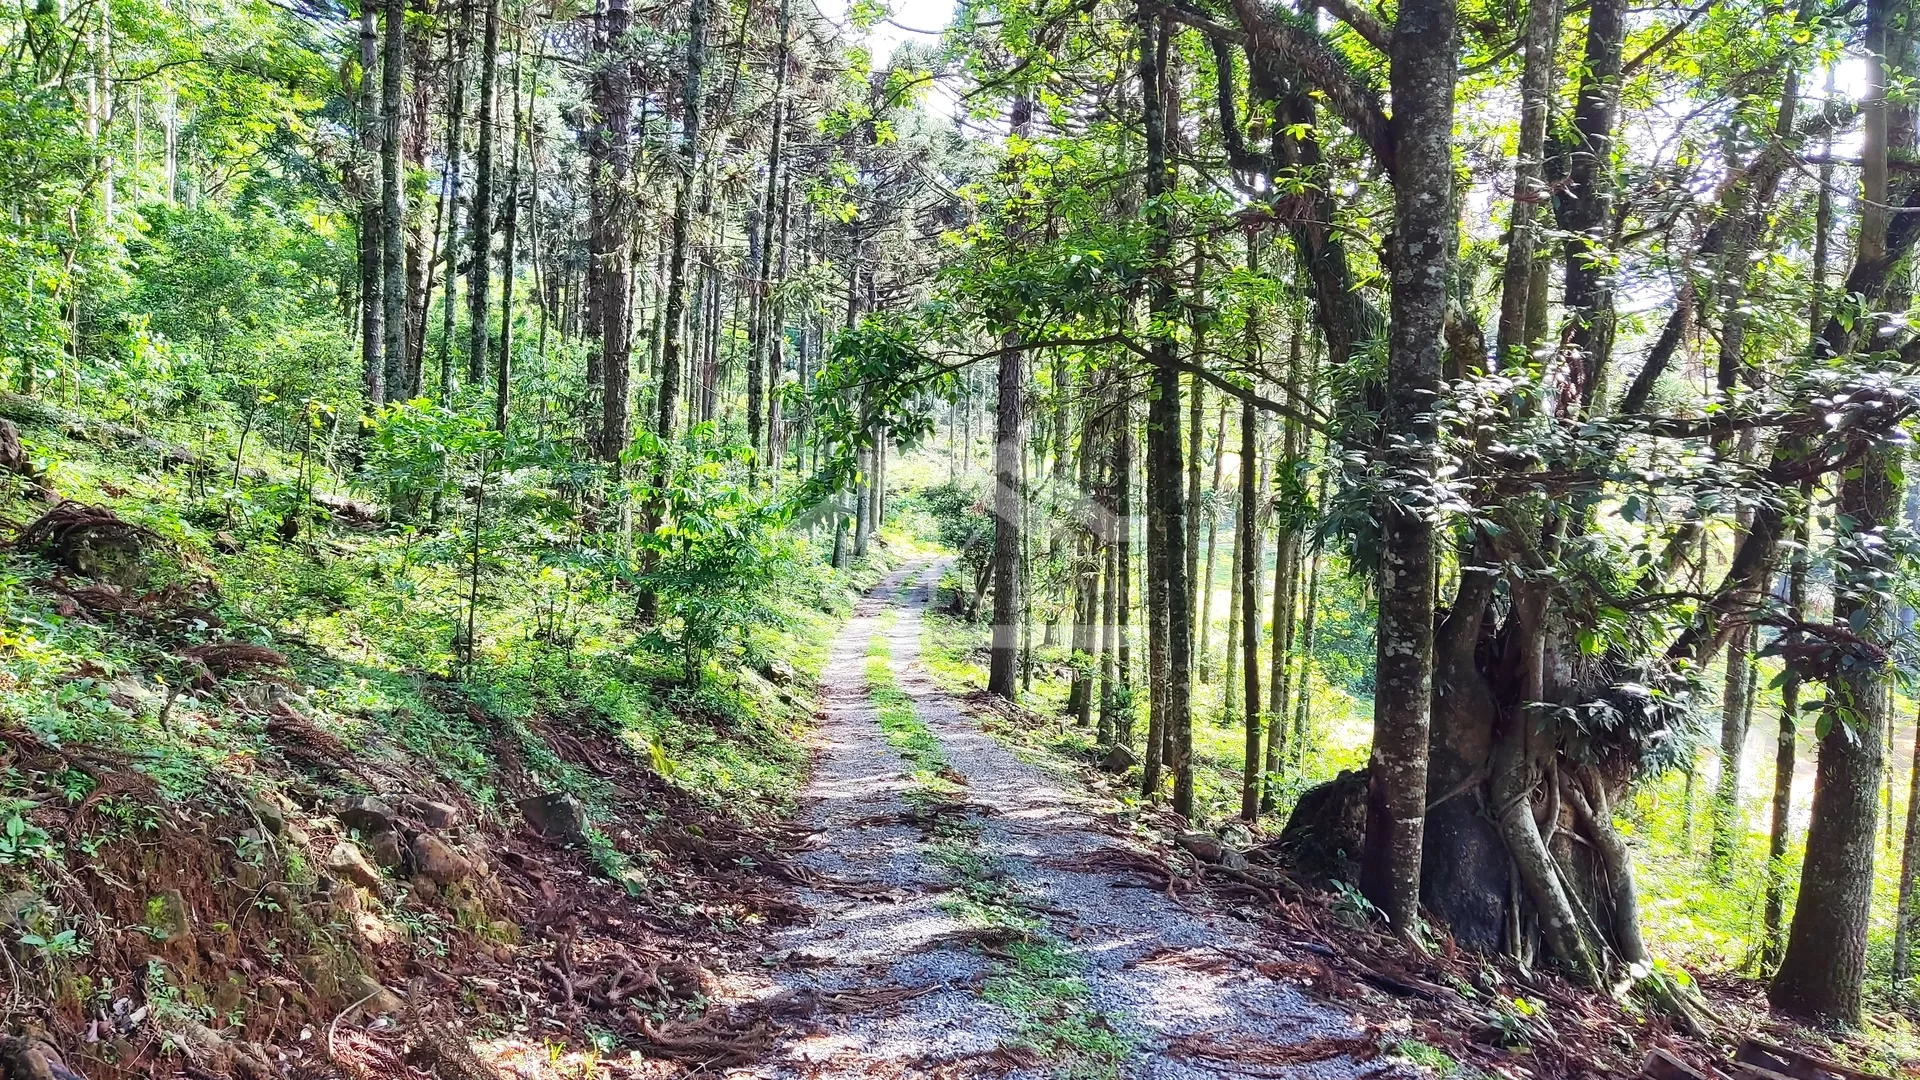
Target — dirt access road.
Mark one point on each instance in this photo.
(970, 929)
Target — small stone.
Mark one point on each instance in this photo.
(436, 861)
(133, 694)
(1202, 845)
(22, 1060)
(348, 863)
(386, 849)
(365, 813)
(377, 999)
(272, 818)
(434, 815)
(16, 906)
(254, 697)
(168, 914)
(1118, 760)
(556, 816)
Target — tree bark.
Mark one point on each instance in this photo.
(1588, 292)
(1009, 436)
(372, 279)
(1909, 868)
(1421, 259)
(672, 345)
(1247, 533)
(1821, 974)
(1164, 428)
(1123, 565)
(1204, 584)
(393, 202)
(1728, 823)
(1785, 752)
(759, 331)
(503, 369)
(612, 249)
(1824, 966)
(1529, 178)
(456, 117)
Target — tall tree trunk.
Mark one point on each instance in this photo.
(1728, 821)
(761, 328)
(1421, 259)
(672, 346)
(1821, 974)
(1247, 533)
(1110, 527)
(1303, 688)
(503, 370)
(372, 279)
(613, 101)
(1153, 604)
(1163, 425)
(1123, 565)
(1286, 565)
(1588, 293)
(1204, 584)
(1196, 430)
(1229, 683)
(1773, 943)
(1529, 178)
(393, 202)
(456, 116)
(1909, 868)
(480, 216)
(1009, 436)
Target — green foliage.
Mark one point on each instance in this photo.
(717, 558)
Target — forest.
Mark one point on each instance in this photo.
(1028, 538)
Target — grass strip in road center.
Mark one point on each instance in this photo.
(1034, 978)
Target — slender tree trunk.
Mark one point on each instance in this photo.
(372, 279)
(456, 115)
(1123, 566)
(1728, 822)
(671, 348)
(612, 248)
(480, 216)
(1204, 584)
(1303, 690)
(1421, 258)
(761, 327)
(1170, 503)
(1785, 751)
(1153, 602)
(1247, 532)
(1286, 564)
(1009, 436)
(1821, 974)
(1196, 428)
(1229, 684)
(1588, 293)
(1110, 528)
(1909, 868)
(1529, 177)
(503, 371)
(393, 202)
